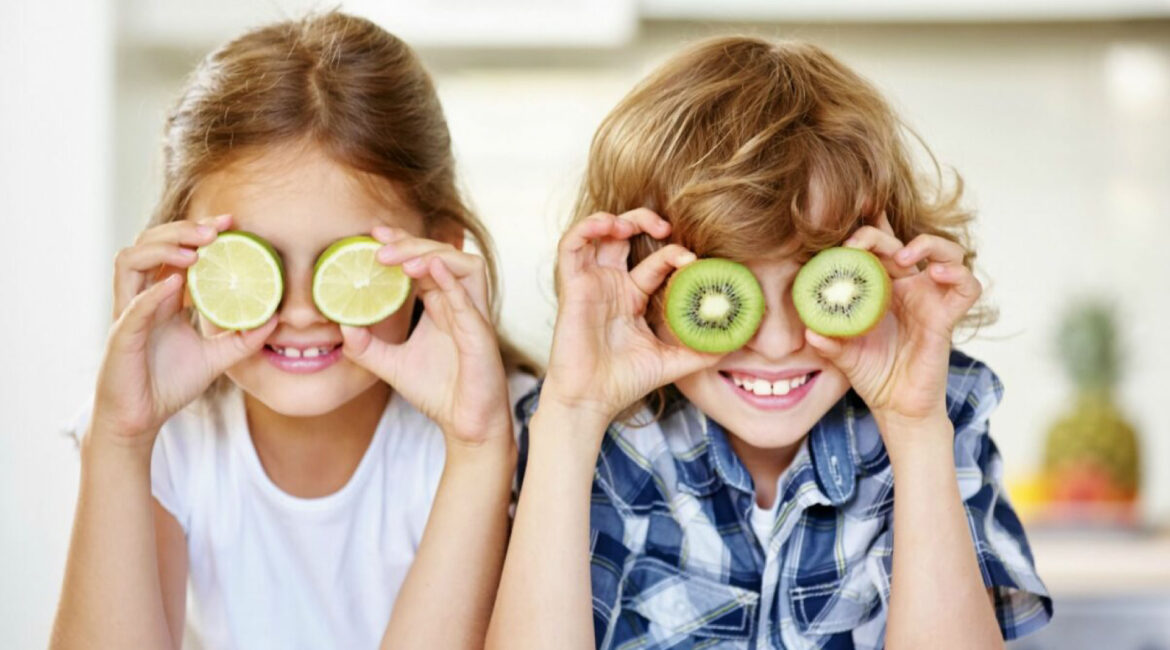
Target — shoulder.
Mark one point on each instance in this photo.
(973, 390)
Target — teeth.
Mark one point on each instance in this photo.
(764, 387)
(291, 353)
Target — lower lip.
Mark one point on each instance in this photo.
(773, 402)
(303, 365)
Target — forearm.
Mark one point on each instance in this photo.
(446, 599)
(937, 596)
(546, 592)
(112, 597)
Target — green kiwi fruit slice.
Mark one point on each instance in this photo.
(714, 305)
(842, 292)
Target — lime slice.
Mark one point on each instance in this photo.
(238, 281)
(351, 287)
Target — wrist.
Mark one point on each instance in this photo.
(103, 446)
(589, 411)
(495, 447)
(914, 440)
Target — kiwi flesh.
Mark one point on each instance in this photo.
(842, 292)
(714, 305)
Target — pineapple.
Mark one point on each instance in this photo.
(1092, 451)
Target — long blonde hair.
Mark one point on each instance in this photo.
(340, 82)
(729, 139)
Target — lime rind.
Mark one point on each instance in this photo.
(351, 287)
(237, 282)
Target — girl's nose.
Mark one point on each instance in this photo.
(297, 309)
(781, 331)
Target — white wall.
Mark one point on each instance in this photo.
(57, 75)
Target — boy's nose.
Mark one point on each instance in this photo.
(781, 331)
(297, 309)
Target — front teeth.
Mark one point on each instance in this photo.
(296, 353)
(764, 388)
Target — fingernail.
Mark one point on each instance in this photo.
(205, 231)
(385, 254)
(686, 258)
(187, 253)
(413, 263)
(904, 254)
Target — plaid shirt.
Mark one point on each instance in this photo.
(676, 564)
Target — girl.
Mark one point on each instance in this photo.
(325, 492)
(761, 517)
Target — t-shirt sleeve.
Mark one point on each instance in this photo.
(169, 471)
(1022, 603)
(168, 460)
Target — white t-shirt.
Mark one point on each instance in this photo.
(270, 570)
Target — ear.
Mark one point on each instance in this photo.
(448, 232)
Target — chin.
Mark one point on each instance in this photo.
(303, 395)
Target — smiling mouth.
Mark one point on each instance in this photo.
(302, 353)
(760, 387)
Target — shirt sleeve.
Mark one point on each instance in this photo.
(1022, 603)
(169, 462)
(609, 550)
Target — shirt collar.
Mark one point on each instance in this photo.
(834, 444)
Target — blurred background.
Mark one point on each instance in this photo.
(1057, 115)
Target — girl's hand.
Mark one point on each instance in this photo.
(155, 361)
(900, 368)
(450, 367)
(604, 354)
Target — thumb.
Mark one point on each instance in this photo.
(369, 351)
(828, 348)
(229, 348)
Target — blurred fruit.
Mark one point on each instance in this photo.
(1091, 454)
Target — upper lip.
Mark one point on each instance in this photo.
(770, 375)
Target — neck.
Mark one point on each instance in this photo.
(764, 466)
(315, 456)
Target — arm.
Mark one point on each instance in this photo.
(604, 357)
(450, 369)
(112, 595)
(546, 593)
(126, 571)
(937, 596)
(447, 596)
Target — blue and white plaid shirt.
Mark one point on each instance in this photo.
(676, 563)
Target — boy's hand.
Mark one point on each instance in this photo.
(155, 361)
(604, 354)
(900, 368)
(450, 367)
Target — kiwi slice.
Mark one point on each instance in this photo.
(714, 305)
(842, 292)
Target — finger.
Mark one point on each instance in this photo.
(965, 288)
(370, 352)
(474, 332)
(405, 248)
(132, 264)
(931, 248)
(186, 232)
(135, 322)
(829, 348)
(882, 244)
(647, 221)
(457, 295)
(679, 361)
(471, 270)
(585, 233)
(651, 272)
(389, 234)
(226, 349)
